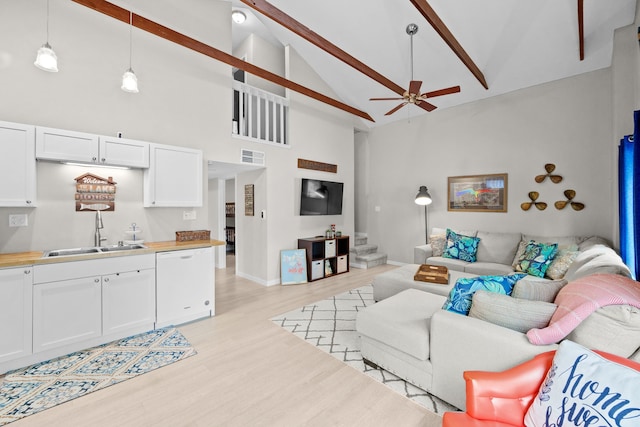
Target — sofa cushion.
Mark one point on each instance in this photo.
(597, 259)
(460, 297)
(438, 242)
(451, 264)
(564, 242)
(583, 388)
(614, 329)
(460, 247)
(536, 258)
(487, 268)
(560, 264)
(498, 248)
(401, 321)
(538, 289)
(513, 313)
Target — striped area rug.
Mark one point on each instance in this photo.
(330, 325)
(41, 386)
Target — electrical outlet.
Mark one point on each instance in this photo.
(188, 215)
(18, 220)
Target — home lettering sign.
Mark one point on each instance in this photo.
(583, 389)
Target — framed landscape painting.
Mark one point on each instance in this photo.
(477, 193)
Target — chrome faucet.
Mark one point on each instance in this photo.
(98, 239)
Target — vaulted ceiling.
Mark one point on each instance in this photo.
(488, 47)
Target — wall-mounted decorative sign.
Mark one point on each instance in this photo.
(478, 193)
(94, 193)
(248, 200)
(317, 166)
(569, 194)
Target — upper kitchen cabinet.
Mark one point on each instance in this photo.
(17, 165)
(70, 146)
(174, 177)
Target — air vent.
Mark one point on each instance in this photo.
(252, 157)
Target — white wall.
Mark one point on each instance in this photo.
(567, 122)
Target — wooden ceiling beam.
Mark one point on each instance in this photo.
(166, 33)
(581, 28)
(432, 17)
(275, 14)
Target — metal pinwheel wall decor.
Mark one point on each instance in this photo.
(556, 179)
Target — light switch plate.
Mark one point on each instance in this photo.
(188, 215)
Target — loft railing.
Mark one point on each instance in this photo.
(260, 116)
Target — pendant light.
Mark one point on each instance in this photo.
(46, 59)
(129, 79)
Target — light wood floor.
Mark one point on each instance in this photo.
(248, 372)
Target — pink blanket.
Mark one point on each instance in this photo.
(578, 299)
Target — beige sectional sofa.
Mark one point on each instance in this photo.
(408, 333)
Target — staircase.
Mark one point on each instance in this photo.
(365, 255)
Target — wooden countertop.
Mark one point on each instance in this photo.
(34, 257)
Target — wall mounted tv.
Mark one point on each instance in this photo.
(321, 197)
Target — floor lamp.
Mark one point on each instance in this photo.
(424, 198)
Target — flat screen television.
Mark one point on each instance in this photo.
(321, 197)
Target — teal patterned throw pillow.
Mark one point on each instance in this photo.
(461, 247)
(536, 258)
(459, 299)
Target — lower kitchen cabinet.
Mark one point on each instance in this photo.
(185, 285)
(15, 312)
(128, 301)
(66, 312)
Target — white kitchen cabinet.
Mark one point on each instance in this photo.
(15, 312)
(70, 146)
(78, 304)
(128, 301)
(66, 145)
(174, 177)
(17, 165)
(185, 285)
(123, 152)
(66, 312)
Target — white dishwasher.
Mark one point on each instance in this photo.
(185, 286)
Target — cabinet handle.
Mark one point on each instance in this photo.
(104, 160)
(96, 280)
(94, 158)
(27, 272)
(106, 279)
(186, 256)
(28, 202)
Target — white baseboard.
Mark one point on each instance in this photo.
(258, 280)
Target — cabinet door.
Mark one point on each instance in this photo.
(66, 145)
(124, 152)
(17, 165)
(66, 312)
(184, 285)
(15, 312)
(174, 177)
(128, 302)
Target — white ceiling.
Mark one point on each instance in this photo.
(515, 43)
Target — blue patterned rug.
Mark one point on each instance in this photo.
(330, 325)
(41, 386)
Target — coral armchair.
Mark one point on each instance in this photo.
(501, 399)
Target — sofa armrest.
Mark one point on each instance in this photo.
(459, 343)
(421, 253)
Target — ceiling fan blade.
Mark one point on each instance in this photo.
(399, 106)
(414, 86)
(386, 99)
(425, 105)
(440, 92)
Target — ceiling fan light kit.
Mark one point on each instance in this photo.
(413, 95)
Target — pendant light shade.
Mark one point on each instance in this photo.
(129, 78)
(47, 59)
(129, 81)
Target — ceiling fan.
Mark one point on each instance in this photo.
(413, 95)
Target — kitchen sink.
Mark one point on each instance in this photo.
(93, 250)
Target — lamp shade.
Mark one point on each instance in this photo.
(423, 197)
(46, 59)
(129, 81)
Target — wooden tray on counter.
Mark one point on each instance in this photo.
(432, 274)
